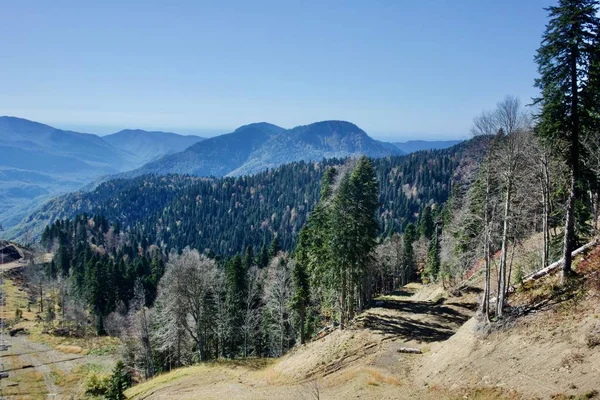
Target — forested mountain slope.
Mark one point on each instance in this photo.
(226, 214)
(255, 147)
(38, 161)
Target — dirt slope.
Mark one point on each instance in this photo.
(360, 362)
(547, 347)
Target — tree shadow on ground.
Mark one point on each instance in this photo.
(406, 328)
(425, 307)
(402, 292)
(424, 321)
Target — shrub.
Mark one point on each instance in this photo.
(593, 337)
(18, 315)
(96, 385)
(120, 380)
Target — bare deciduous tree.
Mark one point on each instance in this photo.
(278, 294)
(187, 296)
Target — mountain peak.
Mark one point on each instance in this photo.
(21, 125)
(262, 126)
(332, 126)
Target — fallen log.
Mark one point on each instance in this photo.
(555, 265)
(409, 350)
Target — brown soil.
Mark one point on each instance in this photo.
(361, 362)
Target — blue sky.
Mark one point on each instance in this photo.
(398, 69)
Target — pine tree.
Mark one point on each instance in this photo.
(262, 259)
(236, 283)
(408, 254)
(564, 61)
(274, 247)
(301, 296)
(120, 380)
(365, 199)
(433, 257)
(248, 257)
(341, 251)
(426, 225)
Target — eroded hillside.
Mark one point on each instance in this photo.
(423, 342)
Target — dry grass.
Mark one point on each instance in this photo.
(91, 344)
(377, 377)
(25, 385)
(160, 380)
(223, 367)
(591, 394)
(485, 394)
(16, 298)
(571, 359)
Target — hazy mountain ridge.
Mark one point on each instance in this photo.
(224, 212)
(38, 161)
(256, 147)
(411, 146)
(147, 146)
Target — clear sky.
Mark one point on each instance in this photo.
(399, 69)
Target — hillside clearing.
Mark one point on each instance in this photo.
(361, 362)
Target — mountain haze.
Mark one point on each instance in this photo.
(146, 146)
(255, 147)
(38, 161)
(417, 145)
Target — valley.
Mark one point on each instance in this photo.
(298, 256)
(40, 162)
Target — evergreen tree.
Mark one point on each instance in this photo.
(365, 200)
(120, 380)
(426, 225)
(433, 257)
(301, 296)
(274, 247)
(262, 259)
(408, 254)
(564, 61)
(248, 257)
(236, 283)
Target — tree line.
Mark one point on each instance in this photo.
(225, 215)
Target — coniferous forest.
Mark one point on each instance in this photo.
(184, 269)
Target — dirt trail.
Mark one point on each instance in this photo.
(361, 362)
(26, 357)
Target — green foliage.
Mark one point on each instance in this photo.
(103, 274)
(337, 243)
(119, 381)
(237, 285)
(408, 253)
(565, 61)
(96, 385)
(426, 224)
(433, 257)
(225, 215)
(274, 247)
(301, 296)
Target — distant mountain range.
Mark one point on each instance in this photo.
(146, 146)
(417, 145)
(255, 147)
(38, 162)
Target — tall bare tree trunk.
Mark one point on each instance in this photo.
(546, 209)
(502, 272)
(41, 297)
(569, 241)
(343, 302)
(485, 305)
